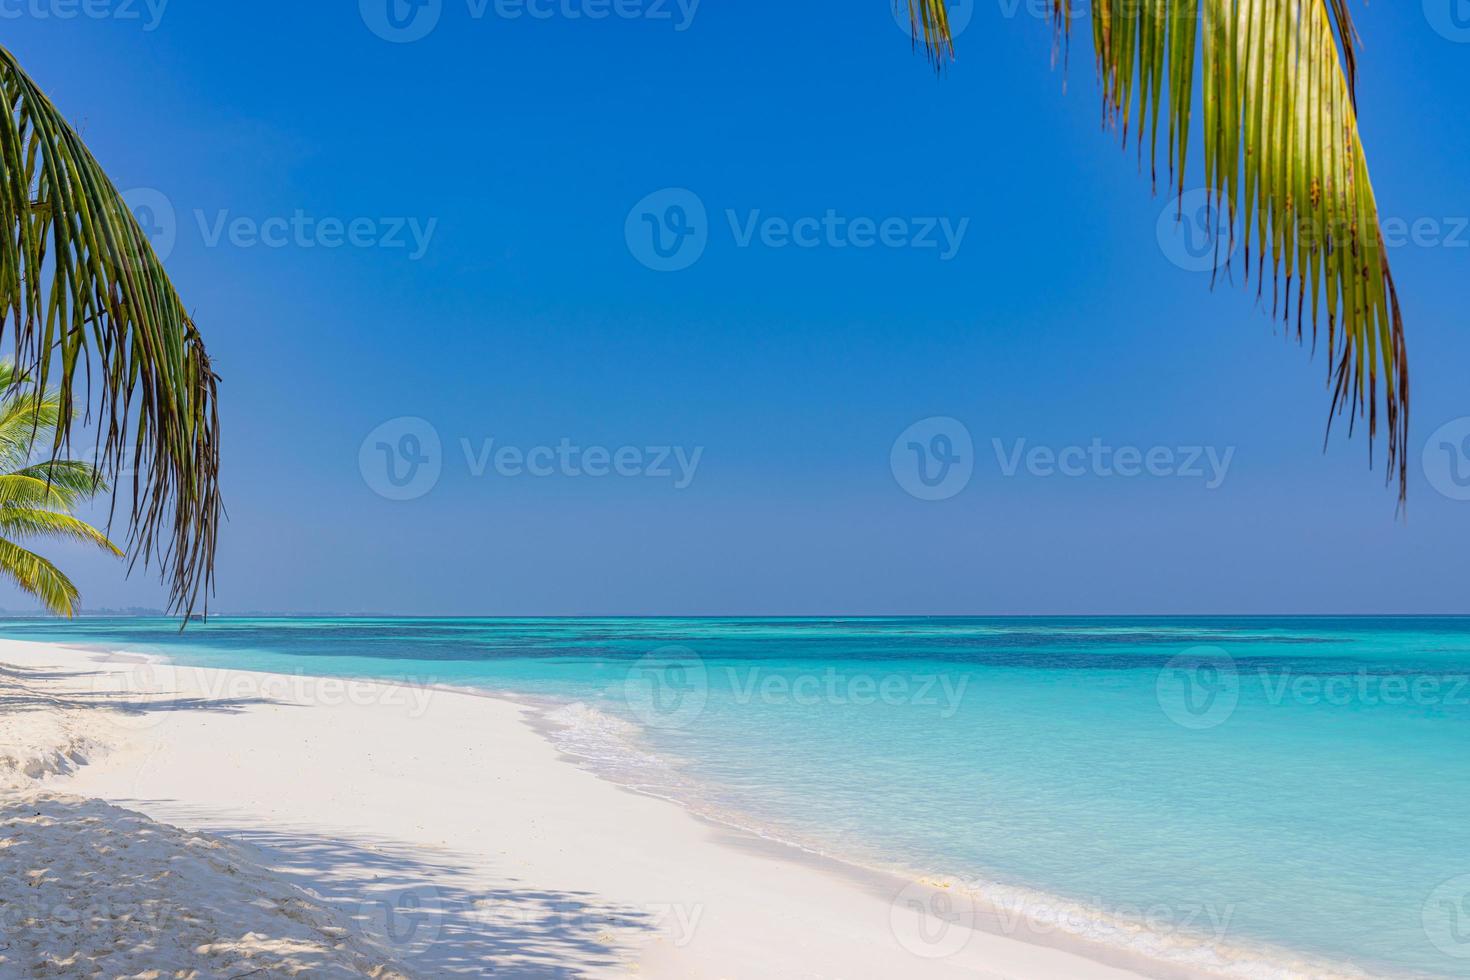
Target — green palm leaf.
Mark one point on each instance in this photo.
(25, 522)
(39, 577)
(93, 311)
(25, 490)
(1282, 157)
(77, 480)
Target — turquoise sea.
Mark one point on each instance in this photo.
(1254, 794)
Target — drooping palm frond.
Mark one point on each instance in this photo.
(1282, 159)
(92, 310)
(39, 577)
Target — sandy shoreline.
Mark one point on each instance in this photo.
(454, 838)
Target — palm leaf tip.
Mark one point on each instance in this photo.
(1283, 159)
(929, 26)
(108, 326)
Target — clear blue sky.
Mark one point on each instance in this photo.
(529, 319)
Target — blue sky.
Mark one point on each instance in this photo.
(517, 147)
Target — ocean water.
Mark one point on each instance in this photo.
(1262, 797)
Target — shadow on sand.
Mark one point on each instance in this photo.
(438, 919)
(23, 696)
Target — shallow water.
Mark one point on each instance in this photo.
(1247, 794)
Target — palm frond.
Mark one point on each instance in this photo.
(26, 418)
(92, 309)
(39, 577)
(29, 522)
(78, 480)
(10, 376)
(26, 490)
(1282, 158)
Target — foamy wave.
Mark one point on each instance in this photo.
(611, 747)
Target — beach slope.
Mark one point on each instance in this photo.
(439, 833)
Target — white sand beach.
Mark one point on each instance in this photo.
(219, 824)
